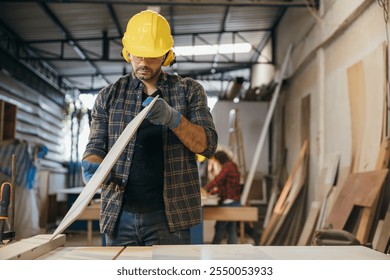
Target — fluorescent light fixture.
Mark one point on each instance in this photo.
(212, 49)
(157, 9)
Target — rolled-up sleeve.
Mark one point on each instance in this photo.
(199, 113)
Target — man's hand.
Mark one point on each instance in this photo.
(162, 113)
(88, 168)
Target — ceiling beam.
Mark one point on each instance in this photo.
(242, 3)
(223, 28)
(115, 19)
(72, 42)
(173, 34)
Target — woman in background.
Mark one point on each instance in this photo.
(227, 185)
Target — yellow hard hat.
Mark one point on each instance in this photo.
(148, 34)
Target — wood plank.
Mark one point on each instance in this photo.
(287, 196)
(244, 214)
(91, 212)
(264, 132)
(375, 82)
(360, 189)
(366, 221)
(357, 95)
(344, 172)
(31, 248)
(328, 180)
(384, 154)
(367, 94)
(83, 253)
(308, 229)
(384, 236)
(101, 173)
(378, 231)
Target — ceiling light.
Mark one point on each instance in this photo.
(212, 49)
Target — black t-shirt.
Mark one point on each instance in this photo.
(144, 190)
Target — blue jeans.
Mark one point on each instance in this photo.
(146, 229)
(221, 227)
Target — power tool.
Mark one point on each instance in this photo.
(5, 199)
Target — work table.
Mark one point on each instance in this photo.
(42, 248)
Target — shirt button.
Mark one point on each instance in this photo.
(123, 180)
(128, 158)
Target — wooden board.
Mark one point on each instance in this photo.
(206, 252)
(384, 235)
(360, 189)
(287, 197)
(384, 154)
(244, 214)
(367, 92)
(101, 173)
(83, 253)
(264, 132)
(308, 229)
(328, 180)
(31, 248)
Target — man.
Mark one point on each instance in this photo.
(152, 195)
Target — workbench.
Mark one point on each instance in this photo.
(239, 214)
(210, 212)
(42, 248)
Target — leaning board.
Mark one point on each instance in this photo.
(101, 173)
(360, 189)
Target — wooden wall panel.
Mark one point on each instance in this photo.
(367, 92)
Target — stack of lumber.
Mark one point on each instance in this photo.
(286, 220)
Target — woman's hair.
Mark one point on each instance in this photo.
(222, 157)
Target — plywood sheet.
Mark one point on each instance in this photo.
(360, 189)
(101, 173)
(357, 95)
(367, 92)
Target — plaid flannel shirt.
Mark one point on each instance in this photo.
(115, 106)
(227, 181)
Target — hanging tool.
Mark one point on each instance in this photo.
(5, 199)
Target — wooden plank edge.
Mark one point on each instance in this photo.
(31, 248)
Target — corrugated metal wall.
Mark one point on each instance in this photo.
(38, 119)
